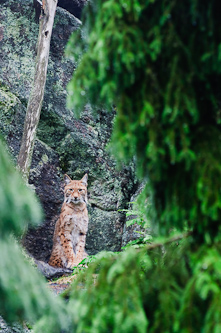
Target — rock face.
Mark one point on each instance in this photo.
(4, 328)
(64, 144)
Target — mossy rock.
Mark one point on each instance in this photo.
(64, 144)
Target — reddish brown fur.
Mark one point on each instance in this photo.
(71, 227)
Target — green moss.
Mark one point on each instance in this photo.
(51, 129)
(9, 103)
(19, 36)
(7, 99)
(45, 158)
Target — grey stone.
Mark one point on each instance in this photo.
(64, 144)
(15, 328)
(51, 272)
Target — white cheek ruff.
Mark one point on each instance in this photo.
(68, 200)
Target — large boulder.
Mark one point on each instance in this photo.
(64, 144)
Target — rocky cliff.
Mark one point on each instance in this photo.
(64, 144)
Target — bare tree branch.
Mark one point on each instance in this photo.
(170, 240)
(46, 22)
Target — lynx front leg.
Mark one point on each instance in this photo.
(69, 256)
(80, 249)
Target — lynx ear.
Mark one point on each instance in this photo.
(67, 179)
(84, 179)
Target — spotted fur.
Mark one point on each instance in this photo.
(71, 227)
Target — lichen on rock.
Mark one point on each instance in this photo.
(64, 144)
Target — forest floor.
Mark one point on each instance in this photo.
(64, 282)
(61, 284)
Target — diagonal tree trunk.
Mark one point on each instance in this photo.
(46, 21)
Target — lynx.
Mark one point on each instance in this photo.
(71, 227)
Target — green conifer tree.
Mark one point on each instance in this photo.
(159, 64)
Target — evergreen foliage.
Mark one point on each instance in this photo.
(23, 292)
(19, 206)
(111, 301)
(159, 62)
(175, 288)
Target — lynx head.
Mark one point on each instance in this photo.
(75, 191)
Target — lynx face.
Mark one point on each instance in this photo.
(75, 191)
